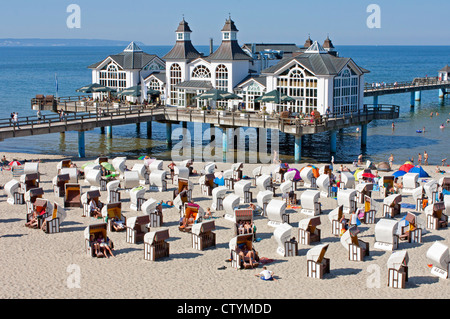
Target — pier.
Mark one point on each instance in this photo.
(82, 118)
(414, 87)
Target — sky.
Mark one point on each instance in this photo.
(394, 22)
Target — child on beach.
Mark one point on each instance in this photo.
(266, 274)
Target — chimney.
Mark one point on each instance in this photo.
(211, 48)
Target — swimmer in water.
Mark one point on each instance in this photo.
(442, 126)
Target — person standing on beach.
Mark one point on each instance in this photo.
(391, 160)
(425, 158)
(419, 159)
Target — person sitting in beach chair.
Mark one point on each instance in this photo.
(94, 209)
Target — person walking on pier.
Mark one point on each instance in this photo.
(15, 119)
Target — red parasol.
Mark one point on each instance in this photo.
(368, 175)
(406, 167)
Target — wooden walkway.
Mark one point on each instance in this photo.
(418, 84)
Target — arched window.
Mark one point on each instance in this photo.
(346, 86)
(222, 77)
(154, 85)
(175, 78)
(201, 72)
(111, 77)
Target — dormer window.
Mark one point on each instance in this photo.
(226, 36)
(179, 36)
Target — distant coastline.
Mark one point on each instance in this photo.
(30, 42)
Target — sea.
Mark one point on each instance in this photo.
(27, 71)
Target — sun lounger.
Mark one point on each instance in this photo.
(218, 195)
(310, 203)
(203, 235)
(439, 255)
(59, 182)
(86, 200)
(316, 264)
(113, 213)
(307, 230)
(12, 190)
(242, 189)
(155, 245)
(357, 249)
(410, 182)
(137, 227)
(262, 199)
(112, 189)
(347, 198)
(276, 213)
(238, 243)
(137, 197)
(95, 230)
(28, 181)
(158, 181)
(436, 218)
(286, 246)
(397, 266)
(153, 208)
(391, 205)
(335, 218)
(72, 195)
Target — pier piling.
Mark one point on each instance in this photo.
(81, 145)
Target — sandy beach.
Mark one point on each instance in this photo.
(39, 265)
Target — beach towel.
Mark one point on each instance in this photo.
(265, 260)
(405, 205)
(164, 205)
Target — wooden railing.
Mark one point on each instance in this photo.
(427, 81)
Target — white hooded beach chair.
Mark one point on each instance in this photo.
(285, 247)
(158, 181)
(55, 219)
(386, 234)
(397, 266)
(142, 172)
(203, 236)
(63, 164)
(386, 183)
(209, 168)
(323, 183)
(256, 172)
(439, 255)
(262, 199)
(119, 164)
(31, 168)
(243, 216)
(73, 174)
(264, 182)
(391, 205)
(93, 178)
(86, 200)
(91, 167)
(335, 218)
(230, 203)
(228, 179)
(410, 182)
(180, 172)
(444, 184)
(307, 230)
(435, 215)
(347, 180)
(238, 242)
(357, 249)
(276, 213)
(113, 191)
(418, 195)
(307, 175)
(130, 179)
(447, 204)
(58, 183)
(155, 245)
(362, 190)
(155, 165)
(411, 228)
(431, 190)
(290, 176)
(152, 208)
(28, 181)
(347, 198)
(113, 213)
(137, 227)
(12, 190)
(94, 230)
(310, 203)
(137, 197)
(286, 189)
(316, 263)
(206, 184)
(242, 189)
(237, 170)
(43, 207)
(31, 196)
(72, 195)
(218, 195)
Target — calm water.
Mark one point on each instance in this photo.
(27, 71)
